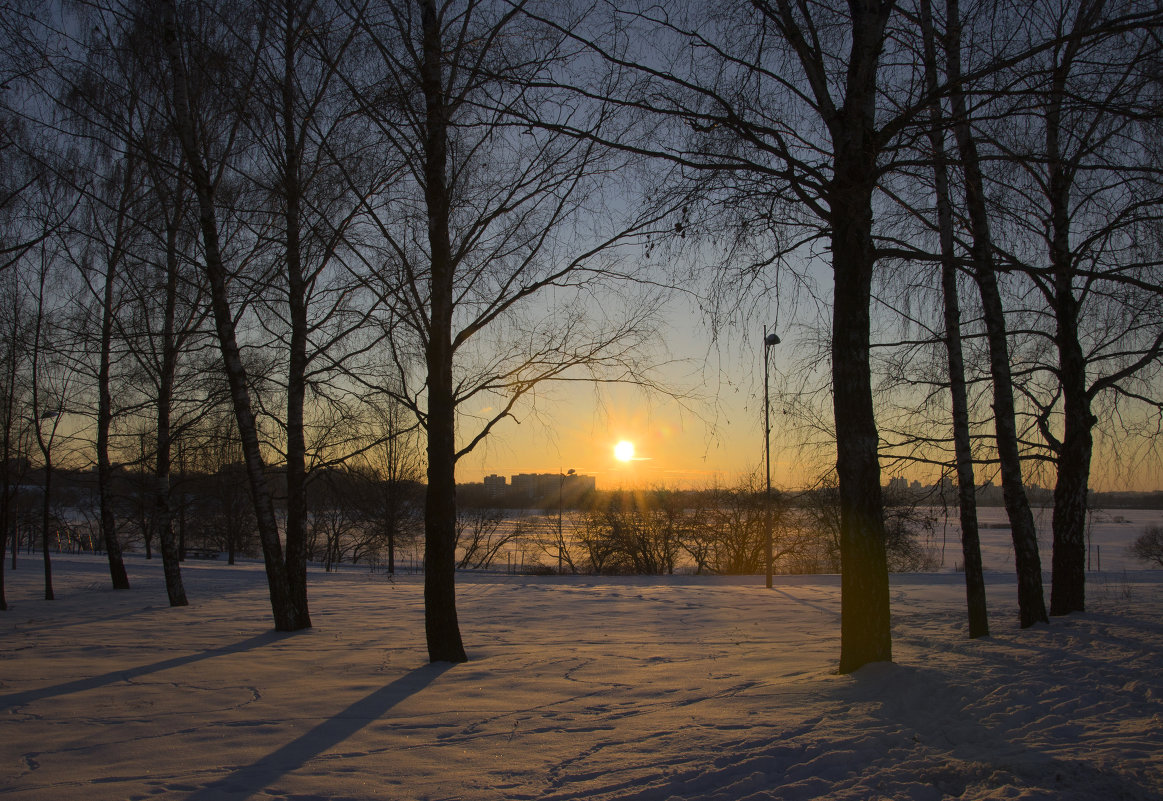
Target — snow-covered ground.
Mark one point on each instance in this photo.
(576, 688)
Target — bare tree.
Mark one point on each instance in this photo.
(200, 40)
(14, 429)
(1083, 183)
(958, 393)
(51, 388)
(395, 466)
(481, 534)
(786, 120)
(1148, 546)
(103, 234)
(216, 485)
(20, 59)
(737, 533)
(309, 146)
(491, 256)
(1031, 603)
(842, 98)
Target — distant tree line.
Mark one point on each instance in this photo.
(314, 239)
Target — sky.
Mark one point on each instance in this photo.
(715, 437)
(711, 437)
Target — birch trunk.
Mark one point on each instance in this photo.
(1031, 602)
(171, 553)
(104, 422)
(441, 626)
(296, 533)
(966, 484)
(1068, 584)
(286, 615)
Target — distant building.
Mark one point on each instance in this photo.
(548, 487)
(528, 485)
(495, 486)
(577, 485)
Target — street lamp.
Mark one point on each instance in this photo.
(769, 339)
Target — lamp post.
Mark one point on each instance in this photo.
(769, 339)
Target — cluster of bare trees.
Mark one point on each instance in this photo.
(325, 219)
(346, 225)
(720, 531)
(983, 181)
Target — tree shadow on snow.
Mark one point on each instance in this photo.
(14, 700)
(963, 751)
(250, 779)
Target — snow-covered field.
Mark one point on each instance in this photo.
(577, 688)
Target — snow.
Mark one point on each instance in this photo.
(577, 688)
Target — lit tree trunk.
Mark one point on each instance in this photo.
(1031, 603)
(966, 485)
(440, 620)
(865, 623)
(287, 616)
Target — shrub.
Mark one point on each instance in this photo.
(1149, 546)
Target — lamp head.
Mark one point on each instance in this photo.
(770, 339)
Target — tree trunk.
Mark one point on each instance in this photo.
(181, 503)
(440, 619)
(286, 615)
(104, 422)
(865, 624)
(46, 510)
(1031, 603)
(966, 485)
(1068, 583)
(171, 553)
(391, 517)
(6, 492)
(1068, 589)
(296, 532)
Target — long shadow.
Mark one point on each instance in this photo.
(931, 707)
(247, 780)
(13, 700)
(819, 607)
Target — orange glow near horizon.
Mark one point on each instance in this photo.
(691, 446)
(672, 446)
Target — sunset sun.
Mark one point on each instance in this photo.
(624, 451)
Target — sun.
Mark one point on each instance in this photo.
(624, 451)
